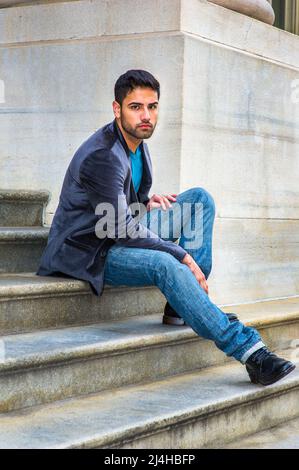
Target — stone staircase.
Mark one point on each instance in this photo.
(77, 371)
(22, 235)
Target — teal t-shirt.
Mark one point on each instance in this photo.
(137, 167)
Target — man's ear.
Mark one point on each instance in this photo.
(116, 109)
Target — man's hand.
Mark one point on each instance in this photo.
(160, 201)
(189, 261)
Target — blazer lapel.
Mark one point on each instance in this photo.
(146, 180)
(147, 167)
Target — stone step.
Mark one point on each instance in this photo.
(29, 302)
(283, 436)
(21, 248)
(47, 366)
(204, 408)
(22, 208)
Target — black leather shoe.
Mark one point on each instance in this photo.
(170, 316)
(266, 368)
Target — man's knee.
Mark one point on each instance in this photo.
(203, 196)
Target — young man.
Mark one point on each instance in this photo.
(110, 171)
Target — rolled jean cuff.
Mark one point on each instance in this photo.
(250, 351)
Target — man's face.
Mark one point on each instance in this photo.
(138, 113)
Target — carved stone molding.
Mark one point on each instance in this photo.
(12, 3)
(7, 3)
(258, 9)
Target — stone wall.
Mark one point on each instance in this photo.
(229, 118)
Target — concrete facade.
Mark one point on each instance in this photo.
(231, 126)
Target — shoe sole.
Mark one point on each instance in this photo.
(275, 379)
(167, 320)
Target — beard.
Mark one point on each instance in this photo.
(136, 131)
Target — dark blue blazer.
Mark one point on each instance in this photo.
(100, 171)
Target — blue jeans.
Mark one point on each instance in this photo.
(143, 267)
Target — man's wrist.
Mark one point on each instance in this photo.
(187, 259)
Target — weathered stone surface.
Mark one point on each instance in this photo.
(284, 436)
(240, 141)
(21, 248)
(250, 258)
(92, 109)
(240, 33)
(254, 259)
(258, 9)
(13, 3)
(222, 129)
(10, 3)
(187, 411)
(29, 302)
(88, 19)
(94, 20)
(247, 117)
(55, 364)
(22, 208)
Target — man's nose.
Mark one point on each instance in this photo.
(145, 116)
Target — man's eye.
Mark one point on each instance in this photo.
(135, 107)
(153, 106)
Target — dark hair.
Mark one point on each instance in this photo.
(133, 79)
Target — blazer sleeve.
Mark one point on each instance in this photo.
(102, 176)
